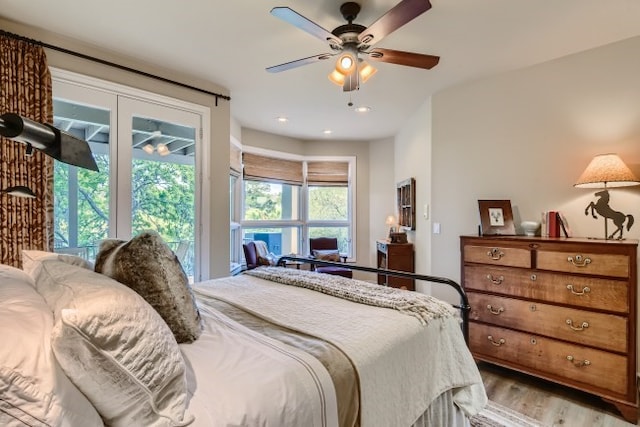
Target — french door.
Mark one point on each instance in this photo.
(148, 155)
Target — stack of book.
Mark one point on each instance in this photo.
(554, 224)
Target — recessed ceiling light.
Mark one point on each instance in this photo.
(362, 109)
(282, 119)
(327, 131)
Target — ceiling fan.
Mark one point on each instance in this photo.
(352, 41)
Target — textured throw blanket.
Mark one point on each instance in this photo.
(423, 307)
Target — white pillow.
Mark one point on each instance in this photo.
(34, 389)
(114, 346)
(32, 260)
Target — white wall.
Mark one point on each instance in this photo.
(526, 136)
(382, 192)
(413, 159)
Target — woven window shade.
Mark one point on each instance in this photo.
(328, 173)
(268, 169)
(235, 160)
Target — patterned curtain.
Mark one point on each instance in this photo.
(25, 89)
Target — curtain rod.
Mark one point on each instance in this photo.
(111, 64)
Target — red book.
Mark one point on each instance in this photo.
(554, 224)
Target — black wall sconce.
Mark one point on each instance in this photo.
(50, 140)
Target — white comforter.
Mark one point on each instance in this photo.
(237, 377)
(402, 365)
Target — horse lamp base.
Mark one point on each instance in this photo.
(601, 206)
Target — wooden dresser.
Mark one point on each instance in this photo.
(562, 309)
(395, 256)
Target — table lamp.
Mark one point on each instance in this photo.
(390, 221)
(607, 171)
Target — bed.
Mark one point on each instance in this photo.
(270, 347)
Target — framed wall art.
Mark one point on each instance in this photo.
(496, 218)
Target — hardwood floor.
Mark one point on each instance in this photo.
(551, 404)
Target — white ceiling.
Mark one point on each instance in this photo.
(231, 43)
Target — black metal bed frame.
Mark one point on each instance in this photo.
(464, 306)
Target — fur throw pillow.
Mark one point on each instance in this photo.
(327, 255)
(147, 265)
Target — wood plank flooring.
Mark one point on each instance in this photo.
(551, 404)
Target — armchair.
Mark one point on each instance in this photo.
(250, 255)
(326, 249)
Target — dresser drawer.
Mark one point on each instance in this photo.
(585, 327)
(575, 364)
(496, 255)
(582, 291)
(584, 263)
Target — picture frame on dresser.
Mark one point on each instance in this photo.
(496, 218)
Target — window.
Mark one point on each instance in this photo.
(285, 202)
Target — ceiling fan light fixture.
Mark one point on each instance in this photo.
(336, 77)
(366, 70)
(346, 62)
(148, 148)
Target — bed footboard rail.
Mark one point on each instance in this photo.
(464, 306)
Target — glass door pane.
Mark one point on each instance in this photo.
(163, 175)
(81, 196)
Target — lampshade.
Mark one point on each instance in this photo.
(336, 77)
(606, 170)
(346, 63)
(19, 191)
(365, 70)
(162, 149)
(391, 220)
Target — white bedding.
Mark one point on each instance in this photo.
(403, 366)
(237, 377)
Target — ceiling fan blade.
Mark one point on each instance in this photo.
(299, 62)
(294, 18)
(395, 18)
(399, 57)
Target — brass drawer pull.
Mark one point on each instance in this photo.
(492, 311)
(578, 363)
(584, 290)
(496, 343)
(579, 261)
(497, 281)
(582, 327)
(495, 254)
